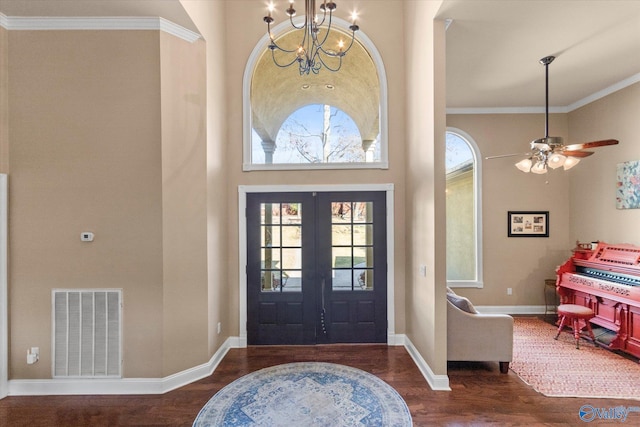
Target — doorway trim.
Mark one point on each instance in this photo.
(392, 339)
(4, 304)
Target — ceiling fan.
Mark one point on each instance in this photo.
(550, 151)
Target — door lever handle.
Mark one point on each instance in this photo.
(322, 313)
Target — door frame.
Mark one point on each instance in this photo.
(392, 339)
(4, 304)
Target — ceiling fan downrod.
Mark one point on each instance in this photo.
(548, 142)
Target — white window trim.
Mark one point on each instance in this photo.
(477, 189)
(258, 50)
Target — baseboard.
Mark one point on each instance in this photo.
(93, 386)
(514, 309)
(395, 339)
(436, 382)
(127, 386)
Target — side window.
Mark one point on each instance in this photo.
(464, 223)
(330, 120)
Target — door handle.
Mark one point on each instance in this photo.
(322, 313)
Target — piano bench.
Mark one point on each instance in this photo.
(575, 313)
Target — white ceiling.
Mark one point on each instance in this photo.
(493, 49)
(493, 46)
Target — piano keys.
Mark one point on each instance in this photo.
(607, 280)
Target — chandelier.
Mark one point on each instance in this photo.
(311, 53)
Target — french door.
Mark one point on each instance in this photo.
(316, 268)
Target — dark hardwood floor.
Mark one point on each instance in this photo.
(479, 394)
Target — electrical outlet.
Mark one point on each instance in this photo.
(33, 354)
(509, 291)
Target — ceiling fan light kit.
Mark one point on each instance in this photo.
(550, 152)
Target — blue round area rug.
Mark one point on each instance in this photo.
(306, 394)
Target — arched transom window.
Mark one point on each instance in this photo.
(326, 120)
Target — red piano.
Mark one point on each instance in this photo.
(607, 280)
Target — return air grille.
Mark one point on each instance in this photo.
(87, 331)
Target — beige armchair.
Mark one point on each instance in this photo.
(476, 337)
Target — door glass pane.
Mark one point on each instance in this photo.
(362, 212)
(270, 213)
(363, 234)
(352, 245)
(292, 213)
(271, 281)
(363, 279)
(292, 258)
(270, 258)
(292, 281)
(270, 235)
(292, 235)
(281, 247)
(341, 257)
(341, 234)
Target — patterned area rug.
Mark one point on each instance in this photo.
(557, 368)
(306, 394)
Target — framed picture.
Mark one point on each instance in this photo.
(528, 223)
(628, 185)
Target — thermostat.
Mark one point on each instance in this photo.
(86, 236)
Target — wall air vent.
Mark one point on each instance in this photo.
(87, 333)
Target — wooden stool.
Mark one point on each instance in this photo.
(575, 313)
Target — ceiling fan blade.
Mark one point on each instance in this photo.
(604, 142)
(507, 155)
(577, 153)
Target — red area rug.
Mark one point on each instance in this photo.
(557, 368)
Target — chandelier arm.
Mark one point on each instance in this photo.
(342, 52)
(275, 61)
(353, 38)
(326, 36)
(328, 67)
(274, 46)
(291, 13)
(272, 39)
(324, 16)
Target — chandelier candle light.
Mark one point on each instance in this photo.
(311, 54)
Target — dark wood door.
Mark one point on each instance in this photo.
(316, 268)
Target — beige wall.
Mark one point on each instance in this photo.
(4, 100)
(517, 262)
(85, 156)
(383, 25)
(108, 132)
(209, 16)
(424, 41)
(184, 203)
(593, 206)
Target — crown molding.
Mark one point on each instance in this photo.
(505, 110)
(604, 92)
(536, 110)
(38, 23)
